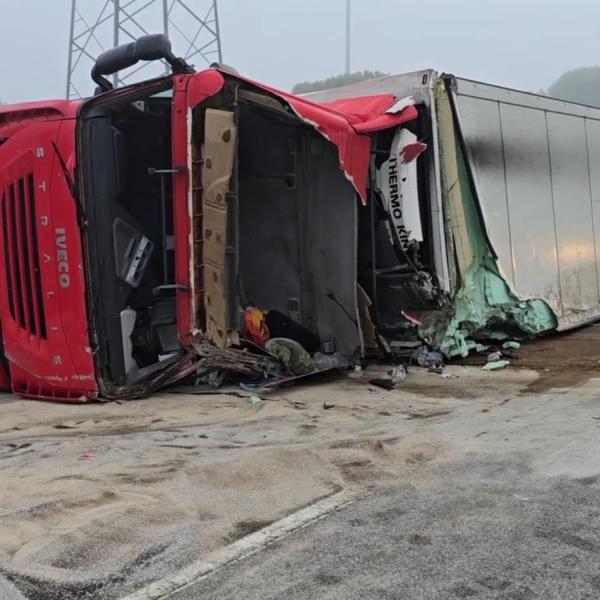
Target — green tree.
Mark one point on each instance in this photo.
(578, 85)
(336, 81)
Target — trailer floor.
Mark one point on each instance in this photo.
(99, 500)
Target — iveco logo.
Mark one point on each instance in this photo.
(62, 258)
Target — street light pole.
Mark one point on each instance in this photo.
(348, 33)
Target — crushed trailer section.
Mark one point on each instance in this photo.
(484, 306)
(509, 216)
(205, 226)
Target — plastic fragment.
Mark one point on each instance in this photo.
(397, 374)
(254, 399)
(496, 365)
(447, 375)
(427, 359)
(511, 345)
(494, 357)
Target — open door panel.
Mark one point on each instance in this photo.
(219, 155)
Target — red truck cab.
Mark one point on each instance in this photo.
(127, 257)
(46, 352)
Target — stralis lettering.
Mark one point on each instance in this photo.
(62, 258)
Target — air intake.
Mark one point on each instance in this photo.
(22, 261)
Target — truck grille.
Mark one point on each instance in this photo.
(22, 260)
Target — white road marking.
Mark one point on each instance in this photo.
(244, 547)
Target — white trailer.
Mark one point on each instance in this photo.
(509, 200)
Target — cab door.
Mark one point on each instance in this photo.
(204, 147)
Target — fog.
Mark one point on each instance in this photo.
(520, 43)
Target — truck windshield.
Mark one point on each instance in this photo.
(126, 172)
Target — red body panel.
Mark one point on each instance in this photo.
(43, 310)
(345, 123)
(42, 296)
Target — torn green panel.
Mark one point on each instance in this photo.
(484, 307)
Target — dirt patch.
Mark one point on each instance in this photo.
(561, 360)
(244, 528)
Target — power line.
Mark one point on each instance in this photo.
(97, 25)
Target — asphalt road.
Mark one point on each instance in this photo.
(486, 529)
(478, 485)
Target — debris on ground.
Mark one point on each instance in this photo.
(294, 357)
(385, 384)
(496, 365)
(398, 374)
(494, 357)
(427, 359)
(511, 345)
(330, 361)
(436, 370)
(273, 350)
(447, 375)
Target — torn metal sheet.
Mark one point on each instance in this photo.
(484, 304)
(238, 361)
(420, 87)
(346, 125)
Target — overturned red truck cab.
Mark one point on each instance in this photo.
(206, 225)
(138, 224)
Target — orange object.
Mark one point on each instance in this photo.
(255, 326)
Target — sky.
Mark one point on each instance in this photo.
(524, 44)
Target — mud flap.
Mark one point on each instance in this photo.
(219, 155)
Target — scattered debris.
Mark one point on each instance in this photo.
(291, 353)
(297, 404)
(398, 374)
(447, 375)
(427, 359)
(386, 384)
(496, 365)
(328, 406)
(254, 399)
(239, 361)
(336, 360)
(429, 415)
(494, 357)
(436, 370)
(511, 345)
